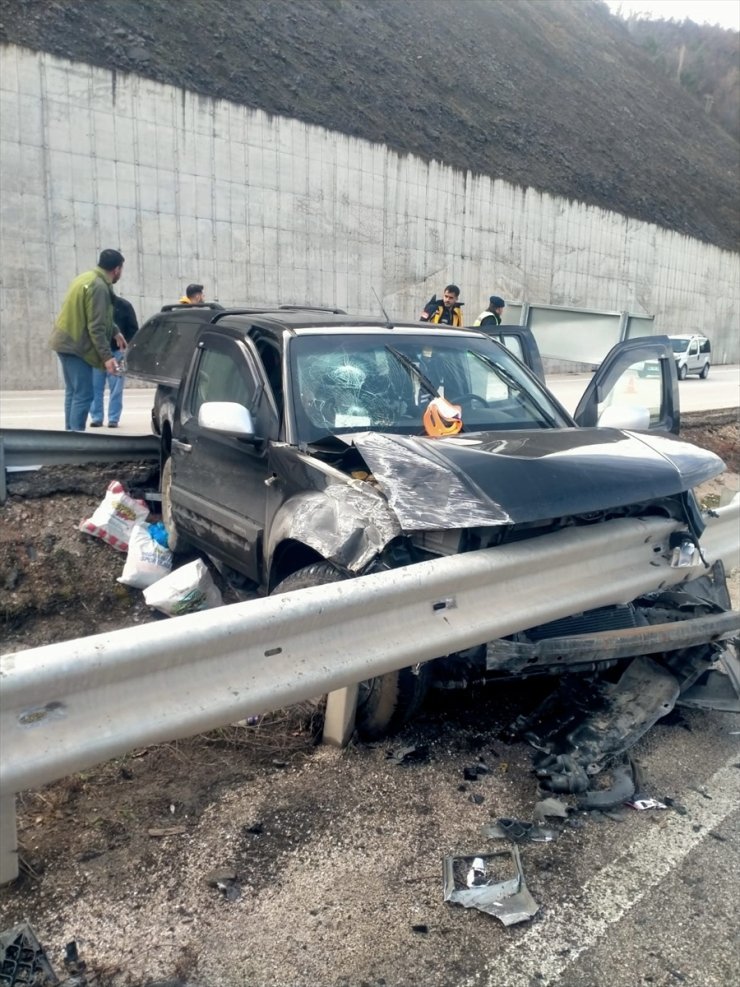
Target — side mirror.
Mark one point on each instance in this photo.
(228, 418)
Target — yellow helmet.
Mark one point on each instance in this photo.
(442, 418)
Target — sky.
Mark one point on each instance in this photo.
(726, 13)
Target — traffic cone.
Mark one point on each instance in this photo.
(631, 387)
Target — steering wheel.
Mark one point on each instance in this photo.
(469, 398)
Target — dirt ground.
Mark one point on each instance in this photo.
(123, 858)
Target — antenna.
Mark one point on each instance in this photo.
(387, 317)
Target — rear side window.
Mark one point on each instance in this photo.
(705, 347)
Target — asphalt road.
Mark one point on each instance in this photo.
(44, 409)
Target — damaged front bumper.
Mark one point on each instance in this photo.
(517, 657)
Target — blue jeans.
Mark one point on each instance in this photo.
(115, 394)
(78, 391)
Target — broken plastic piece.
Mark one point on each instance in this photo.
(507, 899)
(23, 959)
(719, 687)
(642, 804)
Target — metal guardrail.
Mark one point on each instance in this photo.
(71, 705)
(28, 448)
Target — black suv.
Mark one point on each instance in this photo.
(305, 446)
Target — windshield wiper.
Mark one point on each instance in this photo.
(513, 383)
(412, 368)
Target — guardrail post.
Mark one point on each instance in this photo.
(3, 480)
(339, 719)
(8, 840)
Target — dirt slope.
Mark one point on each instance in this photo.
(541, 93)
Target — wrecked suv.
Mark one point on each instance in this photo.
(300, 447)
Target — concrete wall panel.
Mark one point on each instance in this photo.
(269, 209)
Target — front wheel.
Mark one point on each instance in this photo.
(386, 702)
(704, 371)
(682, 372)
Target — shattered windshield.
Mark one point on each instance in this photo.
(385, 383)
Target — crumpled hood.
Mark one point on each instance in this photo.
(490, 478)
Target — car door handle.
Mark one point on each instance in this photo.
(181, 446)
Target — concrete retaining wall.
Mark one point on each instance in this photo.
(269, 209)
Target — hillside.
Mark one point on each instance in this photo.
(540, 93)
(703, 58)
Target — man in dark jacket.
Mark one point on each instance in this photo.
(127, 324)
(445, 311)
(84, 333)
(492, 315)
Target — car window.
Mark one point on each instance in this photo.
(220, 376)
(679, 345)
(365, 382)
(638, 387)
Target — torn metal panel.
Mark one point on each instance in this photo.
(347, 523)
(492, 883)
(519, 477)
(424, 490)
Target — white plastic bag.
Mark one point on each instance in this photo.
(147, 561)
(185, 590)
(115, 517)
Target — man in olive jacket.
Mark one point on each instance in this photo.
(83, 334)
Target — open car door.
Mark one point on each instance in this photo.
(521, 342)
(636, 387)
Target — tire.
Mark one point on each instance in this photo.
(176, 541)
(704, 371)
(386, 702)
(682, 372)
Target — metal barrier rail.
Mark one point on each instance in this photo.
(31, 447)
(71, 705)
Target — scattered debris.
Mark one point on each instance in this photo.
(622, 788)
(74, 965)
(676, 806)
(646, 803)
(473, 771)
(409, 755)
(476, 798)
(225, 880)
(519, 832)
(549, 807)
(478, 882)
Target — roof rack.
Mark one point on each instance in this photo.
(171, 308)
(263, 309)
(312, 308)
